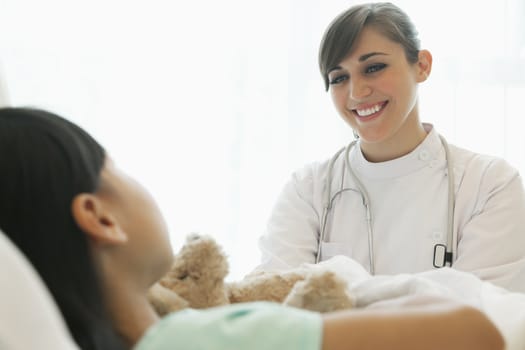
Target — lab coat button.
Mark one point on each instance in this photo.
(424, 155)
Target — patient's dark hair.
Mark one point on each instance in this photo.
(45, 161)
(341, 34)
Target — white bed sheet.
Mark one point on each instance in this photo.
(506, 309)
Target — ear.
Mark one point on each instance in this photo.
(424, 65)
(96, 221)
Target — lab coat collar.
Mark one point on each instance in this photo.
(427, 153)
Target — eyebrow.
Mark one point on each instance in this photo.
(361, 59)
(371, 54)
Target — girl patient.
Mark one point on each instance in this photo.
(99, 242)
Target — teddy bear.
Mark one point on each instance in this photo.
(197, 280)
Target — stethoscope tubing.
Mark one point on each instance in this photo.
(451, 245)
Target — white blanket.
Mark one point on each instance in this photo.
(505, 309)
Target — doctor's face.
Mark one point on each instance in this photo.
(374, 89)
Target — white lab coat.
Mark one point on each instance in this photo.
(408, 198)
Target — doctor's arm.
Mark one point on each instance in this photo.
(292, 230)
(411, 323)
(492, 235)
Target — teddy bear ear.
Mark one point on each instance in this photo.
(194, 236)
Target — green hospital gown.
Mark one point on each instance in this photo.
(251, 326)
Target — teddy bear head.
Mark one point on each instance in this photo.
(198, 273)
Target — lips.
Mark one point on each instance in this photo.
(369, 111)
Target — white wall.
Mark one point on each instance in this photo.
(212, 104)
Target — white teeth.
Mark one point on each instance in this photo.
(368, 111)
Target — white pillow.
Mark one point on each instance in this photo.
(29, 318)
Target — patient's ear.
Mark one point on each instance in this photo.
(96, 221)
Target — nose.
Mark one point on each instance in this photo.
(359, 89)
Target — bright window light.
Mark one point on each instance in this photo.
(213, 104)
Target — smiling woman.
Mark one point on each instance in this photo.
(392, 202)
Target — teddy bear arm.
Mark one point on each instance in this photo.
(321, 292)
(263, 287)
(164, 300)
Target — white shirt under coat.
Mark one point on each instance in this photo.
(408, 199)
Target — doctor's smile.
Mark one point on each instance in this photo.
(368, 112)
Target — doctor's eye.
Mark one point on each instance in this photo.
(338, 79)
(375, 68)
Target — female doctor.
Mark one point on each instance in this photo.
(399, 199)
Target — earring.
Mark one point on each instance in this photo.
(356, 135)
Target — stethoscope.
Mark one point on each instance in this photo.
(443, 254)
